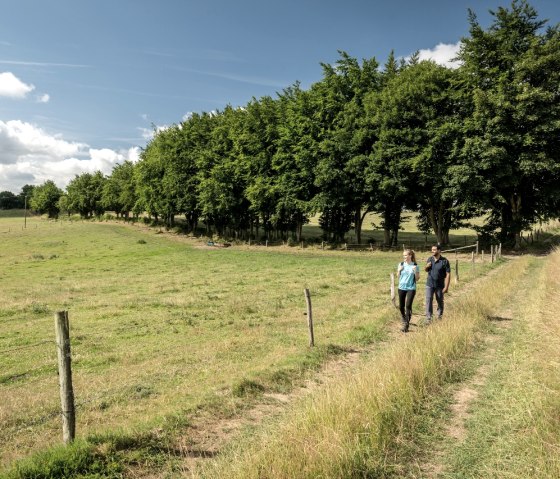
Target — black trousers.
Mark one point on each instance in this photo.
(406, 297)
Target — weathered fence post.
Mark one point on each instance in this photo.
(491, 253)
(456, 270)
(309, 317)
(346, 246)
(302, 245)
(266, 244)
(472, 261)
(500, 250)
(62, 328)
(393, 287)
(477, 247)
(482, 256)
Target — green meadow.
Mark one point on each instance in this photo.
(164, 329)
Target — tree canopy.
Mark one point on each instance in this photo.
(412, 135)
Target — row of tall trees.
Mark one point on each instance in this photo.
(450, 144)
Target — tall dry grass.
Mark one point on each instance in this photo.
(352, 427)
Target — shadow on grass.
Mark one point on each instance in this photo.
(499, 318)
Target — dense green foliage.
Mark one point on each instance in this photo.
(450, 144)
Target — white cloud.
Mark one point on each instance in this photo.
(29, 155)
(44, 98)
(12, 86)
(442, 54)
(148, 133)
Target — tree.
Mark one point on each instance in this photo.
(222, 179)
(45, 199)
(345, 194)
(511, 151)
(295, 159)
(8, 200)
(85, 194)
(26, 192)
(390, 112)
(119, 191)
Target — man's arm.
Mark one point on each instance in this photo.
(428, 265)
(447, 280)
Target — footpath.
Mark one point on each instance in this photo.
(463, 442)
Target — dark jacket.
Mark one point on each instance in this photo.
(437, 273)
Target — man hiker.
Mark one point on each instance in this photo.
(437, 282)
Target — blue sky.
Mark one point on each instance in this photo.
(82, 83)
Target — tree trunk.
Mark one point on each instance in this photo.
(515, 202)
(358, 225)
(386, 236)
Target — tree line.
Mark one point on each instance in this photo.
(450, 144)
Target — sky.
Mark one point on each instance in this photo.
(84, 83)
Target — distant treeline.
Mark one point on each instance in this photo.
(450, 144)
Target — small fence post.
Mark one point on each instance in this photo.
(477, 247)
(456, 270)
(346, 246)
(472, 260)
(302, 245)
(309, 317)
(491, 253)
(482, 256)
(62, 328)
(266, 244)
(500, 250)
(393, 287)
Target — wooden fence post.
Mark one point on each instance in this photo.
(62, 328)
(266, 244)
(472, 260)
(500, 250)
(491, 253)
(309, 317)
(477, 247)
(456, 270)
(482, 256)
(393, 288)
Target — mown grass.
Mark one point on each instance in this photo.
(161, 327)
(356, 425)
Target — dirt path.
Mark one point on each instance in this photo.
(468, 392)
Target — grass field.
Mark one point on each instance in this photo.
(163, 327)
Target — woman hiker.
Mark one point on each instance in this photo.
(408, 274)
